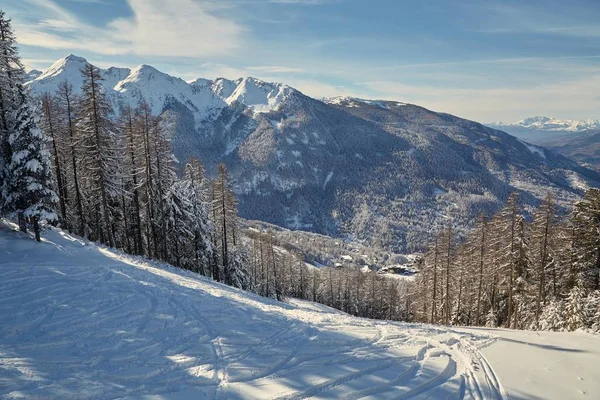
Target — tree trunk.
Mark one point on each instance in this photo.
(36, 228)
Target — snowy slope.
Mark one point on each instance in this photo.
(258, 95)
(546, 365)
(81, 321)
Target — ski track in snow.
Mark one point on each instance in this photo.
(81, 321)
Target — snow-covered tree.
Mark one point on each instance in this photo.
(201, 226)
(552, 317)
(575, 309)
(586, 217)
(28, 192)
(11, 78)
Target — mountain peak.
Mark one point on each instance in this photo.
(73, 58)
(259, 95)
(70, 63)
(33, 74)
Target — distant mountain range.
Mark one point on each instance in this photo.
(549, 124)
(381, 172)
(579, 140)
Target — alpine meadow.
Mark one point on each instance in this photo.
(170, 236)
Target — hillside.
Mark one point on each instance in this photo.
(583, 147)
(381, 173)
(84, 321)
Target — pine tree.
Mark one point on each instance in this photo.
(552, 317)
(28, 193)
(11, 78)
(574, 309)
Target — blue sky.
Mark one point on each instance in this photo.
(487, 60)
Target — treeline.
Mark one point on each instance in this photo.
(278, 273)
(508, 272)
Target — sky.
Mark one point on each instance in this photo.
(486, 60)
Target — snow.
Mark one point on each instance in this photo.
(146, 82)
(84, 321)
(327, 179)
(553, 124)
(260, 96)
(205, 98)
(534, 149)
(439, 192)
(354, 102)
(545, 365)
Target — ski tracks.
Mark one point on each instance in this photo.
(98, 324)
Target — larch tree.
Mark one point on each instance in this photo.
(99, 152)
(50, 123)
(67, 101)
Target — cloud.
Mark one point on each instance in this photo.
(530, 18)
(176, 28)
(36, 63)
(275, 69)
(306, 2)
(568, 99)
(181, 28)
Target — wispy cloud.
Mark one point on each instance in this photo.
(305, 2)
(528, 17)
(486, 61)
(568, 99)
(181, 28)
(275, 69)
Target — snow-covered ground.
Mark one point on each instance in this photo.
(81, 321)
(546, 365)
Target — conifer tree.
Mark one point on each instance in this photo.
(11, 77)
(99, 152)
(28, 192)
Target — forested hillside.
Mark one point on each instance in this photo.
(543, 274)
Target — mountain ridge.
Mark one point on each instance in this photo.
(381, 172)
(551, 124)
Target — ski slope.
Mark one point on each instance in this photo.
(82, 321)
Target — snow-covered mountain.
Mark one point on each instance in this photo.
(579, 140)
(378, 171)
(32, 74)
(550, 124)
